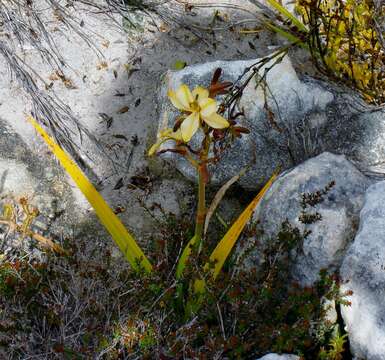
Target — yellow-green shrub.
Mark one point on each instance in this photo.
(345, 42)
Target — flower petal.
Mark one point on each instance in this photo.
(174, 100)
(163, 136)
(184, 96)
(189, 126)
(208, 106)
(216, 121)
(201, 93)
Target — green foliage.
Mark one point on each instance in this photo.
(344, 39)
(21, 279)
(247, 312)
(179, 65)
(348, 43)
(287, 14)
(309, 200)
(335, 349)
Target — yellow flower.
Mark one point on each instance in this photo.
(200, 107)
(167, 134)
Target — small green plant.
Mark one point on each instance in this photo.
(348, 42)
(335, 349)
(309, 200)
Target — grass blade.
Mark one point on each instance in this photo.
(107, 217)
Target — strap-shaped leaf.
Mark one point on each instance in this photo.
(224, 247)
(292, 38)
(184, 257)
(107, 217)
(283, 11)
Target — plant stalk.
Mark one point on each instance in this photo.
(201, 211)
(202, 180)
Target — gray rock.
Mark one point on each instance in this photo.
(309, 117)
(24, 174)
(279, 357)
(364, 269)
(324, 247)
(246, 148)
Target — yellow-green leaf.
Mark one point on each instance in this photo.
(283, 11)
(292, 38)
(111, 222)
(224, 247)
(179, 65)
(183, 258)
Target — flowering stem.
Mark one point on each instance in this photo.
(201, 212)
(202, 180)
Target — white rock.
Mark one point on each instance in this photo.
(364, 269)
(15, 179)
(279, 357)
(329, 237)
(267, 143)
(309, 117)
(284, 90)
